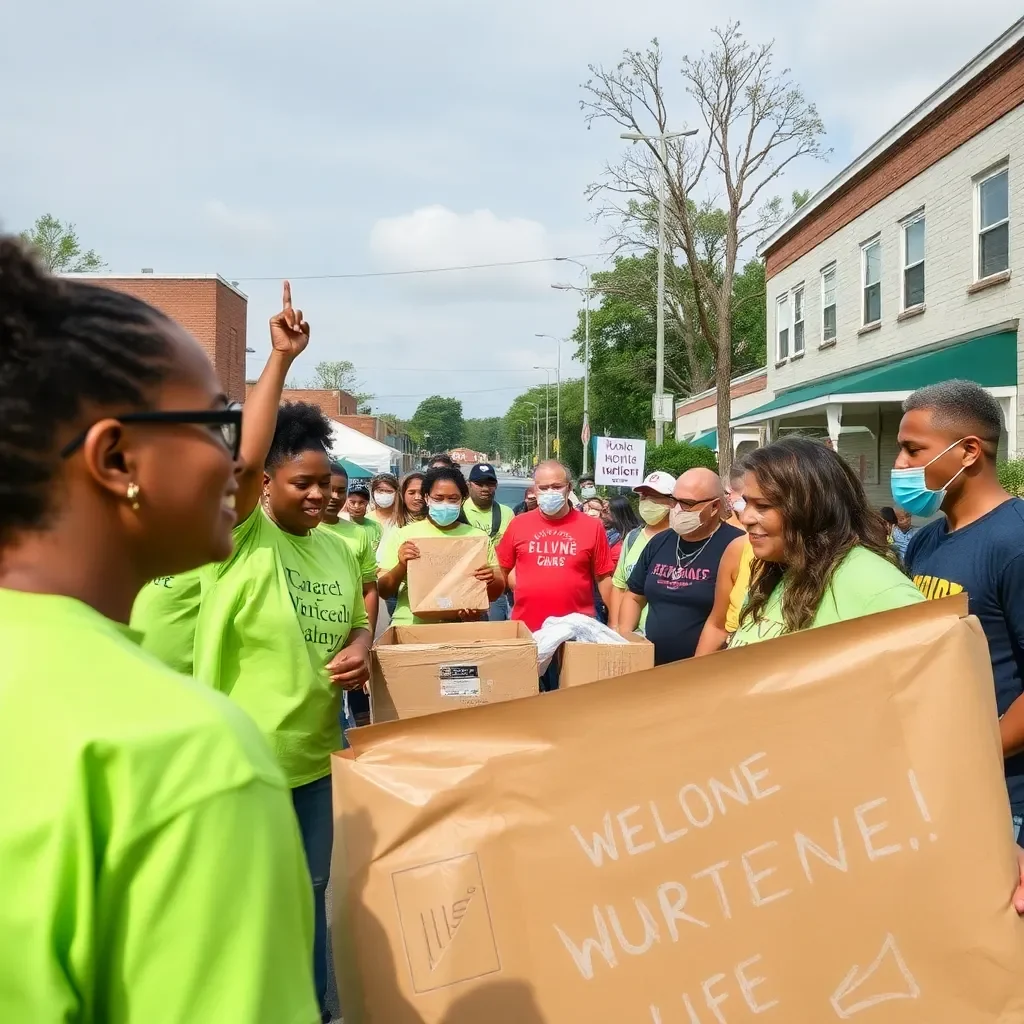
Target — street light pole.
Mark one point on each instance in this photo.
(547, 410)
(558, 387)
(537, 409)
(659, 378)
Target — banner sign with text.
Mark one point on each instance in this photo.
(619, 461)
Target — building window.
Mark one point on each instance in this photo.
(871, 274)
(782, 328)
(828, 304)
(913, 262)
(994, 224)
(798, 320)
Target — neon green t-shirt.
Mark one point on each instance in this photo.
(358, 542)
(272, 616)
(483, 519)
(165, 614)
(373, 528)
(151, 864)
(864, 583)
(389, 558)
(628, 557)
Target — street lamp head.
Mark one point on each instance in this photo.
(564, 287)
(633, 136)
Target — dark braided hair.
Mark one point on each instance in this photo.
(65, 346)
(300, 427)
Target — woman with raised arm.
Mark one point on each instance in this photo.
(282, 625)
(150, 864)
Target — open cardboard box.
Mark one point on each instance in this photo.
(586, 663)
(424, 669)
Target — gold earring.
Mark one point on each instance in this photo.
(132, 494)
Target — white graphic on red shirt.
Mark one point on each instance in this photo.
(552, 548)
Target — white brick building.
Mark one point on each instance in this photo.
(906, 269)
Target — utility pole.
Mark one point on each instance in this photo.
(659, 379)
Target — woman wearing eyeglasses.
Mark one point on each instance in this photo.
(150, 865)
(282, 625)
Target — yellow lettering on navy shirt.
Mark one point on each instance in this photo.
(935, 588)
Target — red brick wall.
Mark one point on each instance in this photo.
(371, 426)
(335, 404)
(979, 104)
(208, 309)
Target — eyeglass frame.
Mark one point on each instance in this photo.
(229, 416)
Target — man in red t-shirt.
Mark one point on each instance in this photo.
(553, 555)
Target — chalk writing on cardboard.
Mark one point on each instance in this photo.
(678, 910)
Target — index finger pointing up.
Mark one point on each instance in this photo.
(286, 295)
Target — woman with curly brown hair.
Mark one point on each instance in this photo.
(821, 554)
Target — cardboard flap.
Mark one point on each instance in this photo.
(441, 580)
(677, 856)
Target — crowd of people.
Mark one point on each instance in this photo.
(189, 597)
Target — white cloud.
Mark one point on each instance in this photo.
(435, 237)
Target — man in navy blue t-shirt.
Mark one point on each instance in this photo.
(948, 439)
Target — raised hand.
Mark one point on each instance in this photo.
(289, 333)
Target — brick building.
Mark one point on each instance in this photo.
(697, 416)
(207, 306)
(337, 405)
(906, 269)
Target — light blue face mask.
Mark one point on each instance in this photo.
(443, 514)
(912, 493)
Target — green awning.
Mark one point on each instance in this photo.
(354, 472)
(709, 439)
(990, 361)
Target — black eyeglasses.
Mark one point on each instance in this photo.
(228, 421)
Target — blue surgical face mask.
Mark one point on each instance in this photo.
(912, 493)
(442, 513)
(588, 492)
(550, 502)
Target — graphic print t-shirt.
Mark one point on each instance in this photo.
(272, 616)
(556, 562)
(165, 613)
(987, 560)
(678, 579)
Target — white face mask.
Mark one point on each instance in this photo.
(383, 499)
(684, 521)
(738, 505)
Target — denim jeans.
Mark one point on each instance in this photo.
(1018, 826)
(499, 610)
(313, 808)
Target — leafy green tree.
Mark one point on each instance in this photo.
(59, 248)
(484, 435)
(438, 421)
(677, 457)
(340, 375)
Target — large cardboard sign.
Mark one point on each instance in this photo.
(812, 829)
(619, 461)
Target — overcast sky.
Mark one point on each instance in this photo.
(261, 140)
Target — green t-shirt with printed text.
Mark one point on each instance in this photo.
(165, 613)
(358, 542)
(864, 583)
(373, 528)
(272, 616)
(424, 528)
(150, 861)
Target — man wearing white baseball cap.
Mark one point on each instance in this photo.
(656, 502)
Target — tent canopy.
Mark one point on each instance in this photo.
(354, 472)
(361, 450)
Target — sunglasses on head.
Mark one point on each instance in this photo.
(228, 422)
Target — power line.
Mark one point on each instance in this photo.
(424, 270)
(453, 394)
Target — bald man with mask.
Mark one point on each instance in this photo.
(675, 577)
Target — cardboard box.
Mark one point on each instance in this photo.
(441, 580)
(586, 663)
(806, 830)
(421, 670)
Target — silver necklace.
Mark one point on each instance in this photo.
(685, 561)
